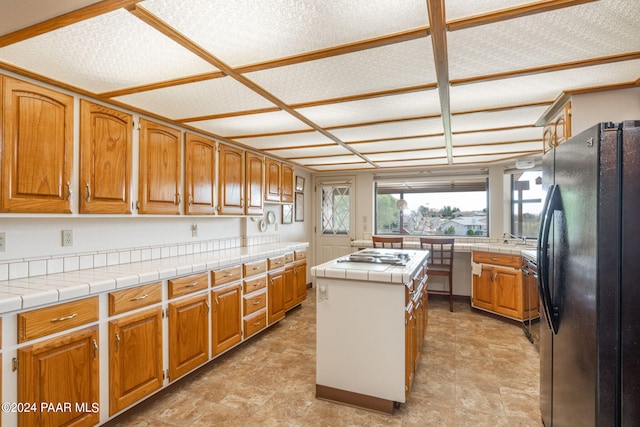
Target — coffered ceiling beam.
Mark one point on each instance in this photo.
(64, 20)
(437, 20)
(179, 38)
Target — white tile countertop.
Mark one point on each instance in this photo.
(494, 245)
(29, 292)
(386, 273)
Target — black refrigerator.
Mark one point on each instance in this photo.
(589, 279)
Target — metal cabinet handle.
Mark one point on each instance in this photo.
(191, 285)
(69, 191)
(228, 275)
(95, 349)
(62, 319)
(141, 297)
(257, 323)
(88, 198)
(117, 341)
(256, 302)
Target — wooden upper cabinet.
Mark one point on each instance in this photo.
(37, 148)
(254, 177)
(159, 174)
(286, 183)
(230, 180)
(105, 160)
(199, 175)
(272, 188)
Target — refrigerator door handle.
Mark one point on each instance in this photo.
(553, 203)
(542, 256)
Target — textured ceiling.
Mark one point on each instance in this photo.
(350, 85)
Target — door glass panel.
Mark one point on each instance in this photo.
(336, 209)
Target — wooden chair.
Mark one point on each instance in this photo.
(441, 262)
(390, 242)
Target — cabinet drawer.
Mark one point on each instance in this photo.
(254, 302)
(187, 285)
(300, 254)
(276, 262)
(132, 298)
(253, 268)
(288, 257)
(225, 275)
(497, 259)
(254, 284)
(255, 322)
(44, 321)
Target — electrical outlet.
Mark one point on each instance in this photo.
(3, 241)
(67, 237)
(194, 230)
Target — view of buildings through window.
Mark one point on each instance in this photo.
(437, 210)
(455, 213)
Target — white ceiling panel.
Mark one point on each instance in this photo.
(539, 87)
(456, 9)
(490, 137)
(399, 144)
(390, 130)
(242, 32)
(510, 147)
(311, 161)
(108, 52)
(217, 96)
(406, 155)
(252, 124)
(413, 163)
(388, 67)
(348, 166)
(497, 119)
(381, 108)
(307, 152)
(554, 37)
(290, 140)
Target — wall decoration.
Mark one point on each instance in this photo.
(299, 184)
(287, 214)
(299, 207)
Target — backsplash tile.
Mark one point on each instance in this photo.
(21, 268)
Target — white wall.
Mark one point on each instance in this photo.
(613, 106)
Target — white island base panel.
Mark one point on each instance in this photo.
(360, 343)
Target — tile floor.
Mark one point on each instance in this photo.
(475, 370)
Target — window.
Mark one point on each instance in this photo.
(526, 202)
(335, 209)
(452, 207)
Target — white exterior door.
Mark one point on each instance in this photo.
(335, 222)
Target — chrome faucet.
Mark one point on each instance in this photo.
(509, 235)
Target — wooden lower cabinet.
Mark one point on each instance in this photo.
(499, 288)
(61, 371)
(135, 358)
(275, 298)
(226, 322)
(188, 334)
(289, 291)
(300, 281)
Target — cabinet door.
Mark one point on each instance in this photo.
(37, 148)
(300, 281)
(61, 371)
(286, 183)
(483, 289)
(135, 358)
(272, 188)
(254, 175)
(276, 297)
(231, 180)
(199, 175)
(508, 292)
(159, 174)
(105, 159)
(227, 317)
(188, 334)
(289, 290)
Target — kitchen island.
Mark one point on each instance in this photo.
(370, 320)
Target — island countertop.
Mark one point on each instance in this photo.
(341, 268)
